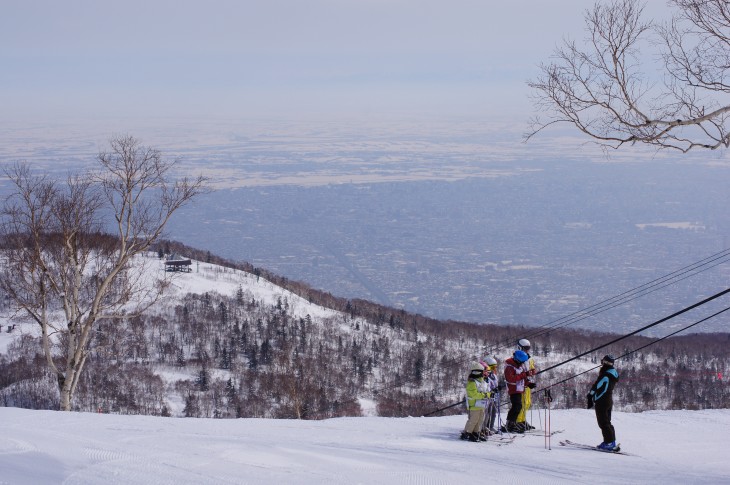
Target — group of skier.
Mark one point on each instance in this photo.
(483, 391)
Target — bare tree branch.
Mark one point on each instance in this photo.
(605, 89)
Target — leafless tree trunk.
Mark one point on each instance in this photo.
(67, 265)
(605, 89)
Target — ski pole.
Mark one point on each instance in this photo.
(445, 408)
(499, 412)
(537, 404)
(550, 409)
(548, 429)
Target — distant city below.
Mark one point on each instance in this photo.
(472, 227)
(525, 249)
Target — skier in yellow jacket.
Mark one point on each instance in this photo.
(524, 345)
(476, 402)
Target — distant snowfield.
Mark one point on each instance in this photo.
(50, 447)
(673, 225)
(226, 281)
(204, 277)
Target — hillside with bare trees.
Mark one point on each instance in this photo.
(226, 354)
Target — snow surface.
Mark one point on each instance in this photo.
(52, 447)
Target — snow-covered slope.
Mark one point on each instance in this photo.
(227, 281)
(77, 448)
(204, 277)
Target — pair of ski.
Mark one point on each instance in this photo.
(581, 446)
(540, 432)
(500, 439)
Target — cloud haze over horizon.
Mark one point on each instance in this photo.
(280, 58)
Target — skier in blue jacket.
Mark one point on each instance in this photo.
(601, 396)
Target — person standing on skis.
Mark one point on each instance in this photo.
(516, 374)
(476, 401)
(493, 386)
(524, 345)
(601, 396)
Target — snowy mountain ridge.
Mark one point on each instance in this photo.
(203, 278)
(230, 340)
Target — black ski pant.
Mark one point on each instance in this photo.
(603, 416)
(516, 406)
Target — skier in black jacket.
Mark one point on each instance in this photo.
(601, 396)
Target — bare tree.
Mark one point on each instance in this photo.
(69, 249)
(606, 88)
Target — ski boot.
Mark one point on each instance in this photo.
(513, 427)
(608, 446)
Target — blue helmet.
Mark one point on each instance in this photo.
(520, 356)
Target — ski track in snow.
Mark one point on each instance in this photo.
(10, 446)
(102, 454)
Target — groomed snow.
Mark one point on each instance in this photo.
(50, 447)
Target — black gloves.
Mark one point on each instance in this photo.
(589, 404)
(531, 385)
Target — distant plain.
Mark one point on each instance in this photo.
(455, 220)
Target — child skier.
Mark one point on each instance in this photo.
(476, 399)
(601, 396)
(493, 387)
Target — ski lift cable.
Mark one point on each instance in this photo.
(646, 327)
(626, 300)
(544, 389)
(586, 312)
(636, 349)
(627, 296)
(545, 330)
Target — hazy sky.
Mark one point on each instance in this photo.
(290, 58)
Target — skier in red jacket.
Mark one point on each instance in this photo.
(516, 374)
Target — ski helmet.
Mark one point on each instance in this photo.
(520, 356)
(490, 361)
(523, 344)
(608, 359)
(476, 366)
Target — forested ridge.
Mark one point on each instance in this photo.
(229, 356)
